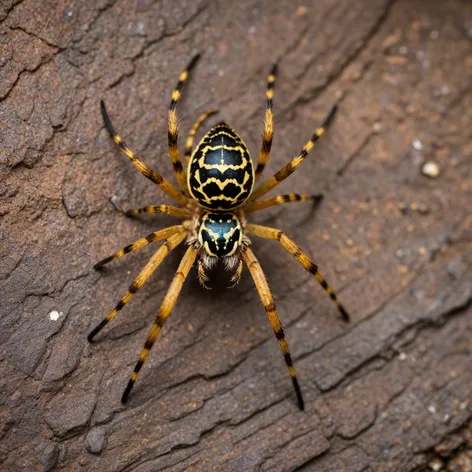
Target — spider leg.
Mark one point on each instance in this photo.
(191, 136)
(151, 174)
(150, 238)
(173, 127)
(164, 312)
(300, 256)
(168, 209)
(268, 132)
(237, 274)
(289, 168)
(264, 292)
(170, 243)
(281, 199)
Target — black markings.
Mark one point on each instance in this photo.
(124, 397)
(150, 238)
(344, 313)
(288, 359)
(221, 174)
(178, 168)
(96, 330)
(120, 305)
(100, 264)
(148, 344)
(269, 307)
(133, 288)
(279, 334)
(330, 117)
(298, 392)
(312, 268)
(324, 284)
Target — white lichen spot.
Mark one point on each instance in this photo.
(140, 28)
(55, 315)
(430, 169)
(432, 409)
(402, 356)
(417, 144)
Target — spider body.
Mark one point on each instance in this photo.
(215, 196)
(221, 174)
(220, 234)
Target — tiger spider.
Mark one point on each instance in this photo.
(215, 194)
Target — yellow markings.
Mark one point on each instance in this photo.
(183, 76)
(144, 354)
(176, 95)
(291, 371)
(320, 131)
(309, 146)
(134, 376)
(117, 139)
(319, 277)
(129, 153)
(270, 94)
(173, 121)
(329, 290)
(271, 79)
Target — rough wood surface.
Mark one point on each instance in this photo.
(382, 392)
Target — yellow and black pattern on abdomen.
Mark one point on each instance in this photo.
(221, 174)
(220, 234)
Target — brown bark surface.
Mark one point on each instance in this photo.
(382, 392)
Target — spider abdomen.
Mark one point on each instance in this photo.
(220, 234)
(221, 174)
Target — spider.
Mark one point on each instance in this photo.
(216, 193)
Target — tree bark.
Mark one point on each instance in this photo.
(382, 393)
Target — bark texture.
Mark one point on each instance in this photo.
(381, 393)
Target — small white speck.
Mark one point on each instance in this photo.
(403, 50)
(434, 34)
(140, 28)
(54, 315)
(432, 409)
(463, 405)
(445, 90)
(69, 13)
(420, 55)
(430, 169)
(251, 30)
(402, 356)
(446, 418)
(417, 144)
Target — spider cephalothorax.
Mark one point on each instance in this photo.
(216, 193)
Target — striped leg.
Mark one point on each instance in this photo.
(191, 136)
(280, 199)
(164, 312)
(172, 242)
(173, 130)
(268, 133)
(168, 209)
(151, 174)
(150, 238)
(264, 292)
(300, 256)
(289, 168)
